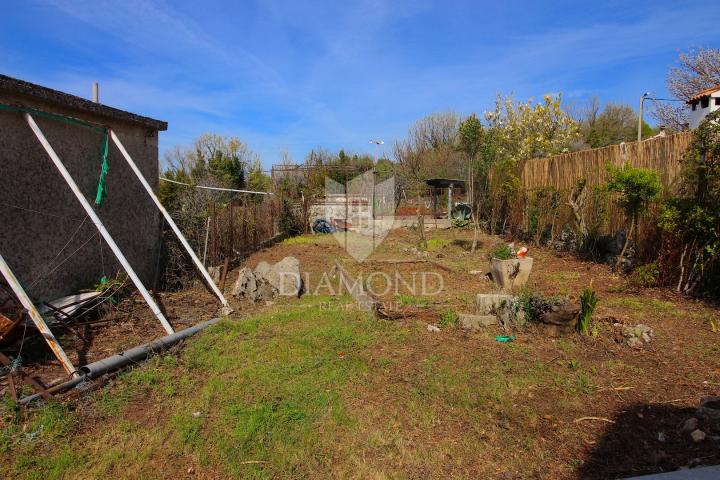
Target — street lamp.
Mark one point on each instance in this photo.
(377, 144)
(640, 116)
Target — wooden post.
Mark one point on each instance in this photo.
(213, 235)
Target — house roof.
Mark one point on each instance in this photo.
(62, 99)
(705, 92)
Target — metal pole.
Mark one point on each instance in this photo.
(640, 119)
(36, 317)
(171, 222)
(207, 234)
(98, 224)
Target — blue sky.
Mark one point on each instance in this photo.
(296, 75)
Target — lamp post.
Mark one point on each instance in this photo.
(377, 144)
(640, 116)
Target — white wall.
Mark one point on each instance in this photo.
(699, 114)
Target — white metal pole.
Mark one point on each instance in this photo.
(170, 221)
(36, 317)
(98, 224)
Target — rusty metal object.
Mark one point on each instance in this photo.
(37, 319)
(7, 326)
(39, 387)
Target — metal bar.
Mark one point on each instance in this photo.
(37, 319)
(171, 222)
(134, 355)
(33, 382)
(98, 224)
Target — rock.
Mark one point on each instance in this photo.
(491, 303)
(432, 328)
(698, 436)
(262, 269)
(638, 335)
(267, 281)
(264, 291)
(561, 321)
(284, 276)
(245, 283)
(469, 321)
(710, 408)
(690, 424)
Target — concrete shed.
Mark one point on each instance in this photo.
(42, 234)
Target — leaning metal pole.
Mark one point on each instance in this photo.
(98, 224)
(36, 317)
(121, 360)
(226, 307)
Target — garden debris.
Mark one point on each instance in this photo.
(432, 328)
(599, 419)
(636, 336)
(468, 321)
(268, 281)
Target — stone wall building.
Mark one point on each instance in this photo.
(39, 215)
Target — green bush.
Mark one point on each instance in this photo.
(502, 252)
(535, 304)
(644, 276)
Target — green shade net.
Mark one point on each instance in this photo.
(105, 167)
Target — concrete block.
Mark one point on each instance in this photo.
(469, 321)
(490, 303)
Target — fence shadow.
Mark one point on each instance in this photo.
(649, 438)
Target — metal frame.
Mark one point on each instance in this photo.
(98, 224)
(36, 317)
(198, 264)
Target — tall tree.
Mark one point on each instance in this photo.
(696, 70)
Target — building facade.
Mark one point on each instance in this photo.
(45, 237)
(702, 104)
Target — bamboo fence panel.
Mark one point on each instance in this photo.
(663, 154)
(562, 172)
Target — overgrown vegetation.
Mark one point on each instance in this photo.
(690, 220)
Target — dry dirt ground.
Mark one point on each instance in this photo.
(448, 403)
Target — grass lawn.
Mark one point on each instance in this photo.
(298, 392)
(314, 388)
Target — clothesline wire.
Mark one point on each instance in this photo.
(66, 259)
(215, 188)
(57, 255)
